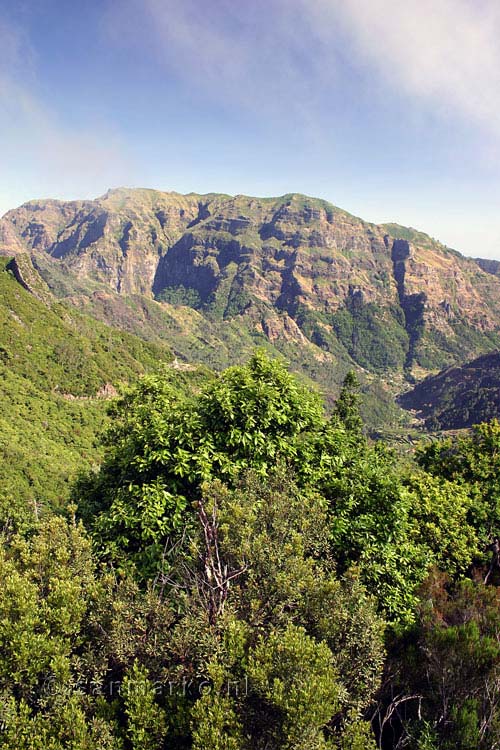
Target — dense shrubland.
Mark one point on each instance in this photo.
(245, 572)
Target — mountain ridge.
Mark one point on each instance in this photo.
(289, 269)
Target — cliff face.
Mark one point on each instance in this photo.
(292, 267)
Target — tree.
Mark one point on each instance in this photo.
(294, 684)
(146, 724)
(347, 404)
(163, 446)
(47, 589)
(449, 664)
(472, 460)
(274, 535)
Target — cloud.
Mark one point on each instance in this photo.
(15, 50)
(253, 57)
(295, 56)
(38, 153)
(444, 53)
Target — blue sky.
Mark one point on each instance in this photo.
(390, 110)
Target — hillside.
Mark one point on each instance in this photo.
(458, 397)
(58, 369)
(325, 288)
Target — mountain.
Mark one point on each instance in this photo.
(292, 269)
(212, 276)
(458, 397)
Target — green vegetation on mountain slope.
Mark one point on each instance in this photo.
(60, 366)
(203, 337)
(57, 367)
(458, 397)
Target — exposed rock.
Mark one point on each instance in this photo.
(25, 273)
(282, 327)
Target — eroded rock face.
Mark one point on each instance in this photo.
(297, 256)
(25, 274)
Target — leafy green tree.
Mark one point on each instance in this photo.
(371, 526)
(448, 666)
(269, 541)
(441, 513)
(46, 585)
(47, 588)
(64, 725)
(356, 734)
(474, 461)
(214, 718)
(277, 536)
(163, 446)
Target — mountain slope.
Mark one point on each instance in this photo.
(58, 368)
(292, 270)
(458, 397)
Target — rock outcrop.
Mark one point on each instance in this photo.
(26, 275)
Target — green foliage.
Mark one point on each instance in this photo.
(441, 512)
(348, 403)
(249, 552)
(45, 440)
(146, 725)
(473, 460)
(164, 446)
(295, 679)
(66, 727)
(374, 337)
(61, 350)
(451, 662)
(53, 363)
(281, 534)
(437, 349)
(356, 735)
(45, 590)
(47, 586)
(288, 640)
(371, 528)
(214, 718)
(180, 295)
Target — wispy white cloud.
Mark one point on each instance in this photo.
(284, 54)
(254, 56)
(38, 153)
(445, 53)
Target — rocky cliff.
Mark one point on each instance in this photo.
(291, 268)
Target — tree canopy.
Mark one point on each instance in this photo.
(247, 572)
